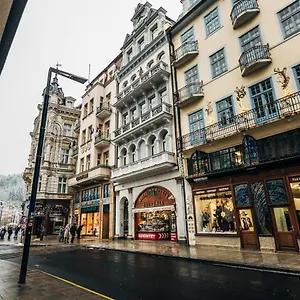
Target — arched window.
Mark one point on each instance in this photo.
(198, 163)
(152, 146)
(125, 84)
(142, 149)
(133, 77)
(132, 153)
(124, 157)
(165, 141)
(250, 153)
(150, 63)
(161, 56)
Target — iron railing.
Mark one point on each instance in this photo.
(185, 48)
(194, 88)
(75, 151)
(102, 137)
(254, 54)
(103, 106)
(77, 126)
(260, 115)
(241, 7)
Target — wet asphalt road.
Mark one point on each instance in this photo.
(137, 276)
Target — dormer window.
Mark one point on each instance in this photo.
(141, 44)
(125, 84)
(154, 32)
(133, 77)
(129, 55)
(69, 104)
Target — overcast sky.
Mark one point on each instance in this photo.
(74, 32)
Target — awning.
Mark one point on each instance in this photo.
(152, 209)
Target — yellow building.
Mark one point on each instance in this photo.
(236, 71)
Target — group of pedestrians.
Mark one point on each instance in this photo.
(9, 230)
(67, 231)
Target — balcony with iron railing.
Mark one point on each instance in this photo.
(156, 115)
(189, 94)
(77, 127)
(254, 59)
(153, 76)
(75, 151)
(243, 11)
(152, 165)
(258, 116)
(103, 111)
(102, 140)
(186, 52)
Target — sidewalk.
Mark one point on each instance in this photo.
(279, 262)
(39, 286)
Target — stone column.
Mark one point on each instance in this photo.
(130, 215)
(117, 220)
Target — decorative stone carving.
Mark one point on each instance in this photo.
(283, 79)
(240, 94)
(209, 111)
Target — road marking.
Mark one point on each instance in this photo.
(77, 285)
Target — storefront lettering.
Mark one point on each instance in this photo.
(214, 190)
(154, 204)
(82, 176)
(295, 179)
(200, 179)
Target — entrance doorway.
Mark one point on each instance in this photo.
(125, 216)
(105, 228)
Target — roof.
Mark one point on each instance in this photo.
(11, 12)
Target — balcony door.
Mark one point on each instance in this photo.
(196, 122)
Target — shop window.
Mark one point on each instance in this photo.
(77, 197)
(282, 219)
(198, 163)
(250, 153)
(263, 216)
(158, 221)
(241, 194)
(277, 192)
(215, 211)
(295, 187)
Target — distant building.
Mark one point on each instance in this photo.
(54, 197)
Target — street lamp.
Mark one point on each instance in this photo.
(36, 173)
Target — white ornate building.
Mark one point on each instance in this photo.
(54, 198)
(148, 190)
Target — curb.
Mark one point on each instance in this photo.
(268, 269)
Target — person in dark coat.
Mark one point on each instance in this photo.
(9, 231)
(17, 229)
(73, 230)
(79, 231)
(2, 233)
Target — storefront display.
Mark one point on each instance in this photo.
(246, 220)
(215, 211)
(90, 223)
(155, 215)
(295, 187)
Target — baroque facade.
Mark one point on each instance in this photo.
(54, 197)
(95, 155)
(237, 80)
(148, 186)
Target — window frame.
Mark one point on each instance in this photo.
(224, 109)
(186, 72)
(217, 62)
(207, 23)
(200, 139)
(62, 185)
(296, 77)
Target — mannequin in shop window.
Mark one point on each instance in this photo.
(205, 221)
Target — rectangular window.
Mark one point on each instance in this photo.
(212, 22)
(91, 106)
(289, 18)
(107, 98)
(218, 63)
(69, 104)
(152, 101)
(196, 123)
(163, 95)
(106, 190)
(154, 32)
(99, 156)
(125, 119)
(129, 55)
(226, 159)
(88, 162)
(65, 156)
(81, 164)
(142, 106)
(191, 75)
(250, 39)
(83, 139)
(89, 133)
(141, 44)
(107, 129)
(262, 96)
(62, 185)
(296, 70)
(187, 36)
(85, 110)
(101, 100)
(106, 158)
(67, 130)
(133, 113)
(225, 111)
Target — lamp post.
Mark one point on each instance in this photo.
(36, 174)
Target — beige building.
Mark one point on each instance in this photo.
(54, 197)
(95, 155)
(237, 80)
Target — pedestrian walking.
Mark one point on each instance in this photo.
(67, 233)
(2, 233)
(79, 231)
(9, 231)
(61, 235)
(43, 232)
(17, 229)
(73, 230)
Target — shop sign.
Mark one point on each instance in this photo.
(56, 214)
(191, 231)
(154, 197)
(173, 237)
(78, 178)
(213, 190)
(105, 201)
(90, 209)
(153, 235)
(295, 179)
(90, 203)
(200, 179)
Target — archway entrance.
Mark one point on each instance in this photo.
(124, 213)
(154, 213)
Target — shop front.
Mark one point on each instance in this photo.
(90, 219)
(155, 216)
(258, 209)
